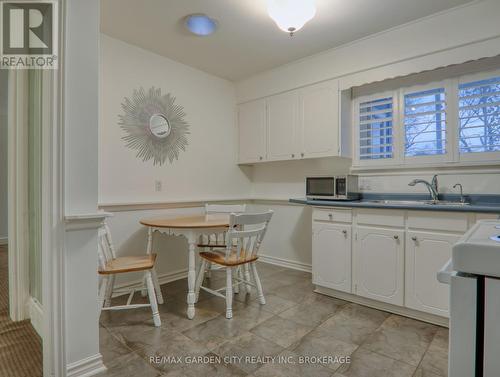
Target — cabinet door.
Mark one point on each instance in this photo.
(282, 120)
(319, 120)
(426, 254)
(252, 131)
(379, 264)
(331, 256)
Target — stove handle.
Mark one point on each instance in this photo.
(444, 275)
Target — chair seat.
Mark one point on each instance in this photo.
(219, 257)
(129, 264)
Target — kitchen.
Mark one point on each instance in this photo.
(264, 188)
(373, 171)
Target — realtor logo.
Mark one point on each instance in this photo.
(28, 35)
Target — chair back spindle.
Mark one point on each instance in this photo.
(106, 250)
(218, 239)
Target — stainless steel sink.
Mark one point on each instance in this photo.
(417, 202)
(450, 203)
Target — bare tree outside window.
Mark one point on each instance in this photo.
(479, 116)
(425, 122)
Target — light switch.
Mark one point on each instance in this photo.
(158, 186)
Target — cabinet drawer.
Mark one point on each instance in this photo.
(382, 217)
(449, 221)
(328, 214)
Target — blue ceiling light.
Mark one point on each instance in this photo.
(200, 24)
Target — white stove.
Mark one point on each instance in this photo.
(474, 276)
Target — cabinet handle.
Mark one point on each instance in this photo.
(396, 237)
(414, 238)
(302, 155)
(293, 156)
(345, 232)
(330, 216)
(260, 158)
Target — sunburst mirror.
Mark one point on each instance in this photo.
(154, 125)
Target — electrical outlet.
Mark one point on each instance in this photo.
(158, 186)
(365, 185)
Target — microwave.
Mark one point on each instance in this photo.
(340, 187)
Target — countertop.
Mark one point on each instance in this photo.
(484, 203)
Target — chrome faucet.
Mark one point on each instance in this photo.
(432, 187)
(462, 197)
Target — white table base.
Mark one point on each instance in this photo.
(192, 236)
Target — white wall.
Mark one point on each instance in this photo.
(206, 170)
(3, 155)
(455, 36)
(81, 107)
(286, 179)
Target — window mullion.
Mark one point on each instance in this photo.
(398, 131)
(453, 125)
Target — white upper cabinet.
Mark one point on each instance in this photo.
(379, 264)
(252, 131)
(302, 123)
(283, 126)
(319, 120)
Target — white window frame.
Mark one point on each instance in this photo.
(395, 121)
(484, 157)
(433, 159)
(452, 157)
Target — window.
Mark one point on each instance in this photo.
(479, 116)
(448, 120)
(425, 123)
(375, 129)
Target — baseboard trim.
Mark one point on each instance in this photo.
(421, 316)
(86, 367)
(162, 278)
(4, 240)
(35, 311)
(294, 265)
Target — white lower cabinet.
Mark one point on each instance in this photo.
(379, 264)
(394, 255)
(426, 253)
(331, 258)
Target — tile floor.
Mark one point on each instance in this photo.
(295, 323)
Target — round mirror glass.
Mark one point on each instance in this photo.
(159, 126)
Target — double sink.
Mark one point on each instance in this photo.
(419, 202)
(433, 191)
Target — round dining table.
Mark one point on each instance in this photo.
(190, 227)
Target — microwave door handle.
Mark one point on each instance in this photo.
(444, 275)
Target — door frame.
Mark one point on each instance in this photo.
(53, 228)
(17, 194)
(52, 214)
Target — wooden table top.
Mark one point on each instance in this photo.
(189, 222)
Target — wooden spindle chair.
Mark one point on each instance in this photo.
(243, 240)
(110, 266)
(218, 240)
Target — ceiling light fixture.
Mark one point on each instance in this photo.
(200, 24)
(291, 15)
